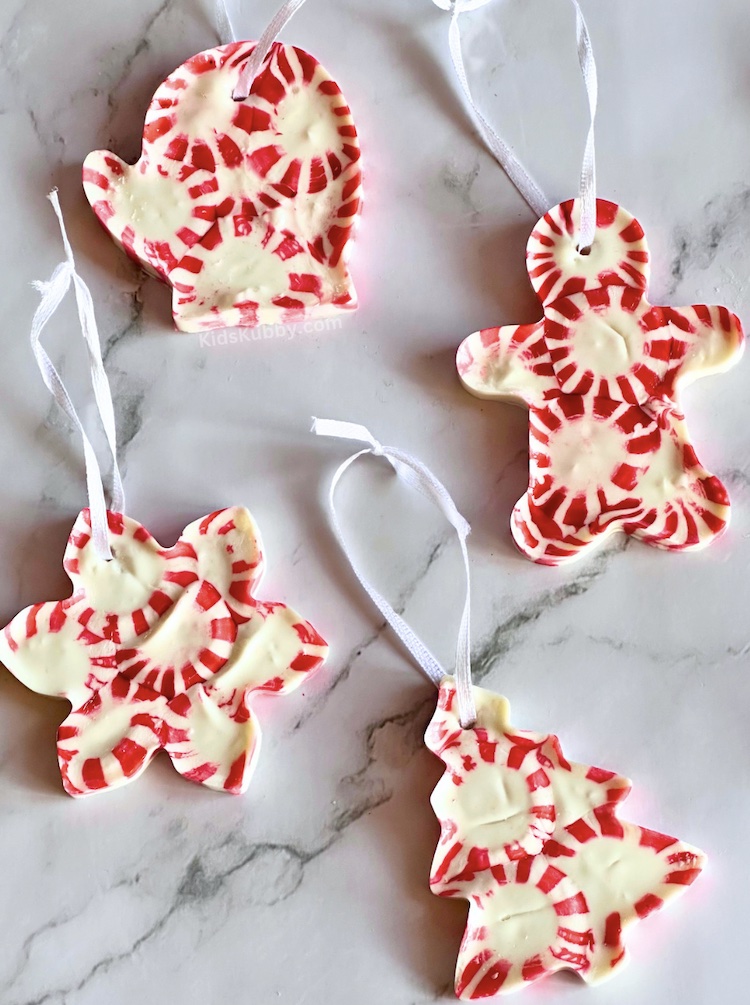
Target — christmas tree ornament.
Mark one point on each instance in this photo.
(247, 191)
(535, 844)
(601, 372)
(155, 648)
(531, 840)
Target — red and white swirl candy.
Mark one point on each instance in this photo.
(534, 843)
(161, 648)
(600, 375)
(246, 208)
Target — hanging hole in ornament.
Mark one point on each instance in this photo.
(584, 251)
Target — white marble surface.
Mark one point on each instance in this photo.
(313, 887)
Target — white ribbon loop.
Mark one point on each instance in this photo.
(416, 474)
(251, 68)
(503, 153)
(52, 293)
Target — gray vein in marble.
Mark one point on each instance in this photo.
(406, 721)
(51, 141)
(737, 477)
(129, 57)
(312, 707)
(8, 61)
(654, 655)
(201, 882)
(503, 638)
(519, 460)
(130, 419)
(739, 652)
(33, 937)
(101, 966)
(460, 183)
(677, 270)
(560, 640)
(659, 657)
(28, 944)
(59, 437)
(134, 324)
(725, 223)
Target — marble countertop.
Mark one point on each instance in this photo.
(313, 887)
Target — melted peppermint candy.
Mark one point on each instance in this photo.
(246, 207)
(600, 374)
(161, 648)
(534, 843)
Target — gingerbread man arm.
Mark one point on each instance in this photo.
(509, 363)
(706, 340)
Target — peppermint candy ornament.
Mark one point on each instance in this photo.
(532, 841)
(161, 648)
(535, 844)
(155, 648)
(247, 191)
(600, 373)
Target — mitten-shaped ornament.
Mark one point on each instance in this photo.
(244, 207)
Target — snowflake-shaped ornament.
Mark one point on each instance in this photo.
(600, 375)
(534, 843)
(161, 648)
(245, 208)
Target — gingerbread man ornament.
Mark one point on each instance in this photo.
(600, 375)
